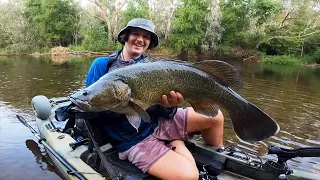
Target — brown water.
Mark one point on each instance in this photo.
(288, 94)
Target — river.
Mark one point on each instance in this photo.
(289, 94)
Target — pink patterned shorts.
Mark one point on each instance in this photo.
(144, 154)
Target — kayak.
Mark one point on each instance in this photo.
(76, 157)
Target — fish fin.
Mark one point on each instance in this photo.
(205, 108)
(138, 109)
(134, 120)
(122, 90)
(254, 124)
(225, 73)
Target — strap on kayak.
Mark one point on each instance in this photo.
(112, 174)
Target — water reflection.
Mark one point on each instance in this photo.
(41, 157)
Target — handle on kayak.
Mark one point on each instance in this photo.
(286, 154)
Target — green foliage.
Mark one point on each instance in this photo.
(224, 48)
(189, 27)
(136, 9)
(283, 60)
(18, 48)
(312, 58)
(316, 56)
(235, 20)
(281, 46)
(293, 34)
(262, 10)
(54, 21)
(76, 48)
(95, 40)
(93, 33)
(244, 21)
(16, 35)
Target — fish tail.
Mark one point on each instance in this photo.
(252, 124)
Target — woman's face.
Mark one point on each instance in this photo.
(138, 41)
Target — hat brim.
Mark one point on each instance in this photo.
(154, 37)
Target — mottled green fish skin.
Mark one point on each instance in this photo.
(149, 81)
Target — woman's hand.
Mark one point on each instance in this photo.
(172, 101)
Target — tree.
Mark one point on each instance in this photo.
(236, 15)
(15, 33)
(110, 13)
(162, 13)
(213, 30)
(136, 9)
(294, 31)
(190, 26)
(93, 32)
(53, 20)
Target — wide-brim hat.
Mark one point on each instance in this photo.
(142, 24)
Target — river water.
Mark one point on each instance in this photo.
(289, 94)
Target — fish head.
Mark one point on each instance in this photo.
(102, 96)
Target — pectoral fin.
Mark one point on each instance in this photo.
(134, 120)
(205, 108)
(141, 112)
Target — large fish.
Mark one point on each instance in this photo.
(204, 85)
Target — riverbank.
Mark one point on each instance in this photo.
(237, 54)
(62, 54)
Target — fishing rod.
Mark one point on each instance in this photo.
(52, 151)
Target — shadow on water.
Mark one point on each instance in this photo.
(42, 158)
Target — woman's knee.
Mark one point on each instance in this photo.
(218, 119)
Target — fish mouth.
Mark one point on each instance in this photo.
(83, 105)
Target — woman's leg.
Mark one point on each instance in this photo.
(155, 158)
(211, 128)
(177, 164)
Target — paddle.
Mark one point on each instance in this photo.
(52, 151)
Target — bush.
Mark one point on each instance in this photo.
(283, 60)
(18, 48)
(316, 56)
(76, 48)
(226, 49)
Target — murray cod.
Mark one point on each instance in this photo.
(204, 85)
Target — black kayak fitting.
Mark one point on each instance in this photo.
(286, 154)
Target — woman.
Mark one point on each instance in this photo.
(158, 147)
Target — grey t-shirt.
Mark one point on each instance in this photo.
(118, 63)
